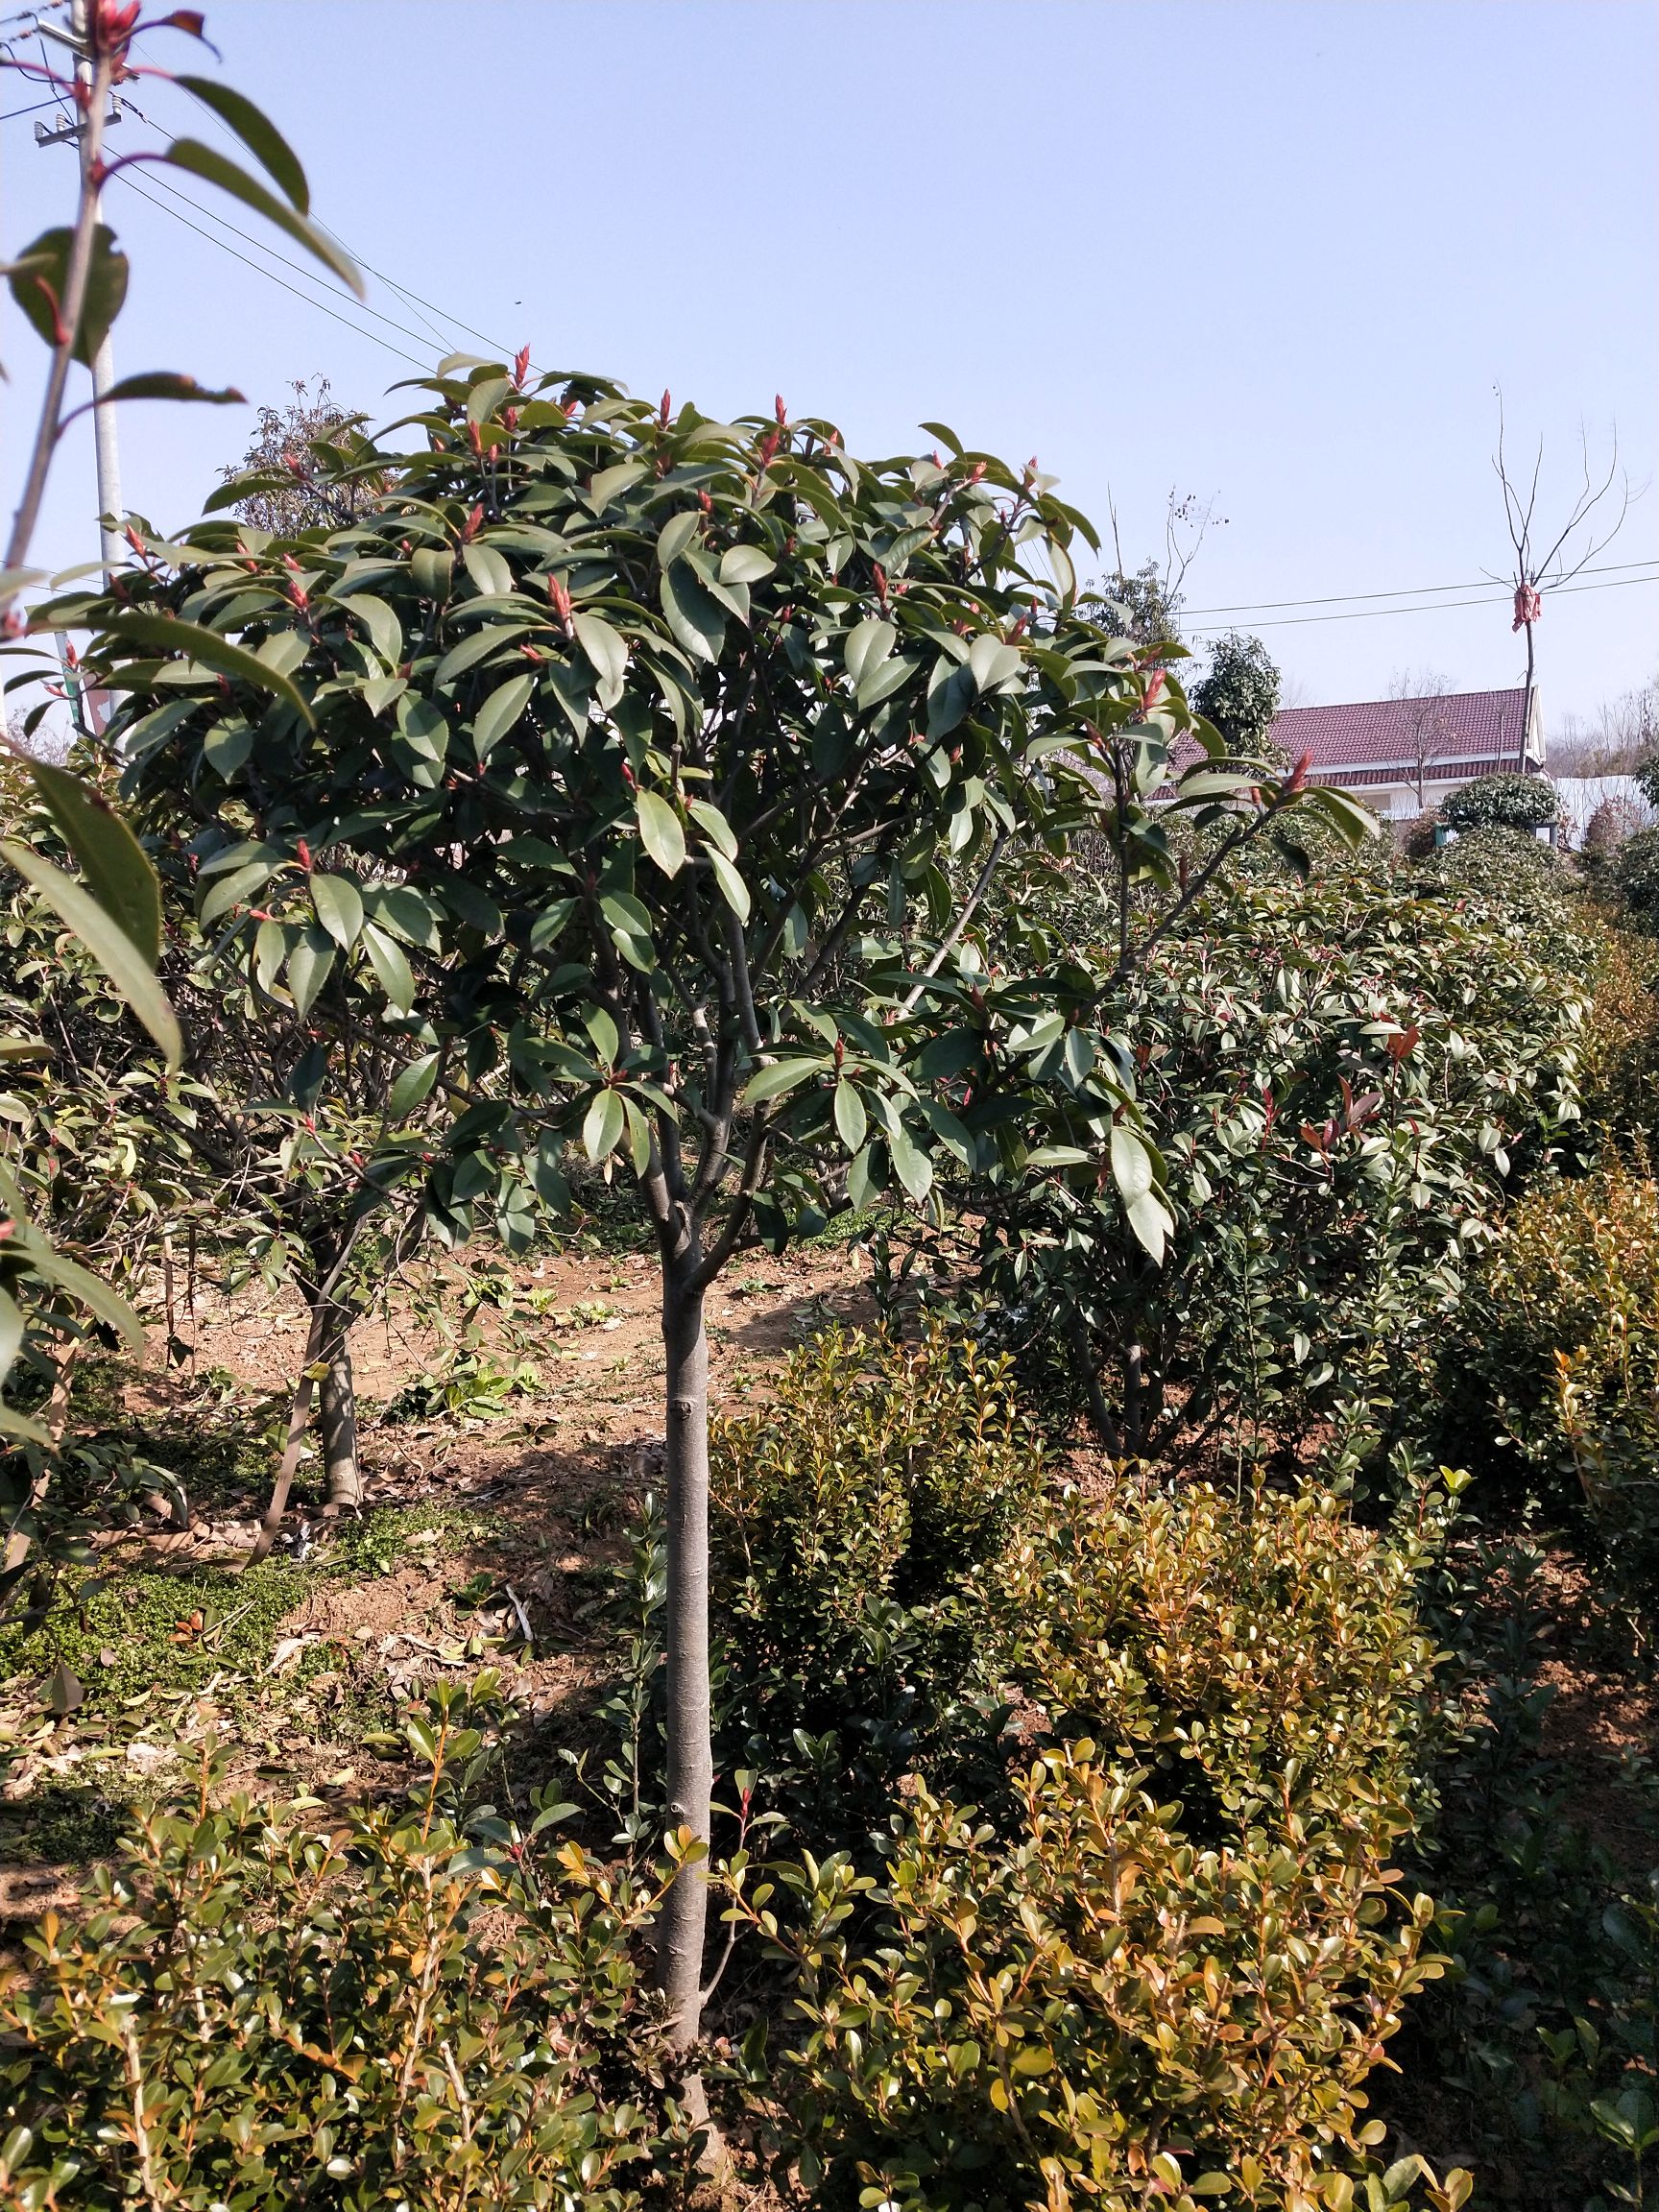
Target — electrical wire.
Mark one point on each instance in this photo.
(298, 268)
(1404, 591)
(374, 336)
(12, 113)
(505, 352)
(1444, 606)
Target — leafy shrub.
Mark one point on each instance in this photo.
(1613, 823)
(1418, 840)
(859, 1517)
(262, 2009)
(1503, 801)
(1635, 873)
(1564, 1345)
(1131, 1999)
(1345, 1077)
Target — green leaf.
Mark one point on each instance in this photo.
(308, 967)
(1351, 821)
(713, 824)
(781, 1075)
(385, 631)
(602, 1126)
(695, 616)
(745, 564)
(992, 665)
(257, 133)
(675, 534)
(339, 906)
(413, 1086)
(1134, 1163)
(93, 1293)
(732, 888)
(1151, 1221)
(113, 862)
(165, 633)
(605, 652)
(850, 1119)
(171, 384)
(199, 161)
(106, 942)
(10, 1332)
(232, 890)
(866, 647)
(911, 1164)
(39, 277)
(500, 712)
(603, 1031)
(391, 968)
(660, 831)
(487, 569)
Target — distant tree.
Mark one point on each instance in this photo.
(1503, 801)
(1615, 821)
(1145, 605)
(1240, 691)
(1541, 563)
(1421, 694)
(290, 478)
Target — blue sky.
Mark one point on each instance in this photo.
(1277, 254)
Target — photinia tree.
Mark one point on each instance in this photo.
(700, 747)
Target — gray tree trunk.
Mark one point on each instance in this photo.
(337, 1418)
(690, 1750)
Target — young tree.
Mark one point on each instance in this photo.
(1542, 560)
(673, 731)
(1421, 695)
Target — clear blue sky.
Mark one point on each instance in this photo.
(1276, 253)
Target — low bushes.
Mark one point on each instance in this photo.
(363, 2009)
(861, 1520)
(1563, 1349)
(1119, 1997)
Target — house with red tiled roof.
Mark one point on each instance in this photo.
(1401, 756)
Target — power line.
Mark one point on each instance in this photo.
(505, 351)
(311, 301)
(1444, 606)
(12, 113)
(298, 268)
(1404, 591)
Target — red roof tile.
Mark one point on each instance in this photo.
(1471, 734)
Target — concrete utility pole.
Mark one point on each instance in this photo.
(107, 452)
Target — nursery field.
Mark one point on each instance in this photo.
(806, 1402)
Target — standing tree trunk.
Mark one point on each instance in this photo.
(337, 1418)
(690, 1746)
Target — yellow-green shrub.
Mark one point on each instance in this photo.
(1566, 1347)
(360, 2009)
(1166, 1971)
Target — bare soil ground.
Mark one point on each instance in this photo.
(476, 1529)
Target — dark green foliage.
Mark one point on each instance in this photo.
(865, 1520)
(1238, 692)
(1503, 801)
(1345, 1079)
(1635, 877)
